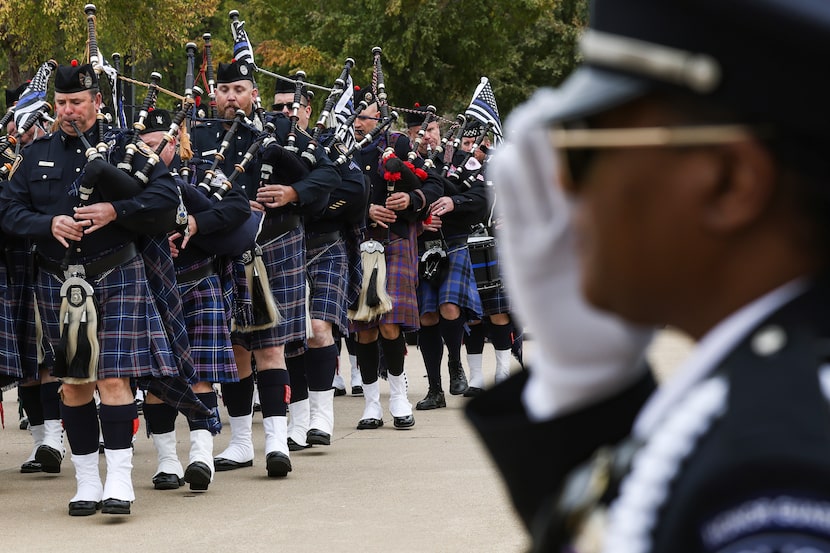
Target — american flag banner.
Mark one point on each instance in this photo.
(241, 43)
(34, 96)
(342, 111)
(483, 108)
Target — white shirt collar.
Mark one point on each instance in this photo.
(709, 353)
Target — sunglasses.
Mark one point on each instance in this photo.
(577, 148)
(289, 106)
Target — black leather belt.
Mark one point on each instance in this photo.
(195, 275)
(317, 240)
(276, 225)
(93, 268)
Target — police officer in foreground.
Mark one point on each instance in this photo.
(700, 200)
(91, 241)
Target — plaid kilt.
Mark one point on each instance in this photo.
(10, 368)
(22, 299)
(457, 287)
(131, 333)
(326, 266)
(206, 315)
(401, 282)
(355, 279)
(495, 300)
(285, 262)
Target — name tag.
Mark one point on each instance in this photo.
(42, 163)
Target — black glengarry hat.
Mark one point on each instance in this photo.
(756, 59)
(234, 71)
(13, 94)
(75, 78)
(284, 86)
(157, 120)
(416, 116)
(364, 94)
(473, 129)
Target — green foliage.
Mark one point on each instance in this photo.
(434, 51)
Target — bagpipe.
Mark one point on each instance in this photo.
(309, 155)
(435, 159)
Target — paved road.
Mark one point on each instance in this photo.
(428, 489)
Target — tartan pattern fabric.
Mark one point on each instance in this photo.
(353, 238)
(458, 287)
(130, 330)
(401, 282)
(10, 368)
(21, 296)
(285, 262)
(206, 318)
(326, 267)
(495, 300)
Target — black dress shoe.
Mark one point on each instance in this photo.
(339, 391)
(277, 464)
(472, 391)
(318, 437)
(197, 474)
(357, 390)
(221, 464)
(83, 508)
(294, 446)
(404, 422)
(458, 380)
(433, 400)
(369, 424)
(166, 481)
(49, 459)
(31, 466)
(113, 506)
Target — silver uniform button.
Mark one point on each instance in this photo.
(78, 151)
(769, 340)
(77, 169)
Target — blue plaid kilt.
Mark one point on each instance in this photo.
(495, 300)
(206, 314)
(10, 369)
(285, 262)
(131, 333)
(22, 299)
(457, 287)
(401, 281)
(355, 280)
(326, 267)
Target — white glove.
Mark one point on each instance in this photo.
(583, 355)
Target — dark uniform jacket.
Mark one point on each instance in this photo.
(753, 473)
(369, 159)
(45, 184)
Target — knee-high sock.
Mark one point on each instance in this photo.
(274, 392)
(160, 417)
(118, 425)
(368, 359)
(474, 341)
(501, 336)
(320, 366)
(30, 401)
(394, 351)
(452, 331)
(50, 399)
(212, 403)
(81, 425)
(432, 350)
(239, 396)
(299, 383)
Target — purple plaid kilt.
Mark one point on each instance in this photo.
(10, 368)
(401, 282)
(206, 314)
(285, 262)
(326, 267)
(495, 300)
(131, 333)
(457, 287)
